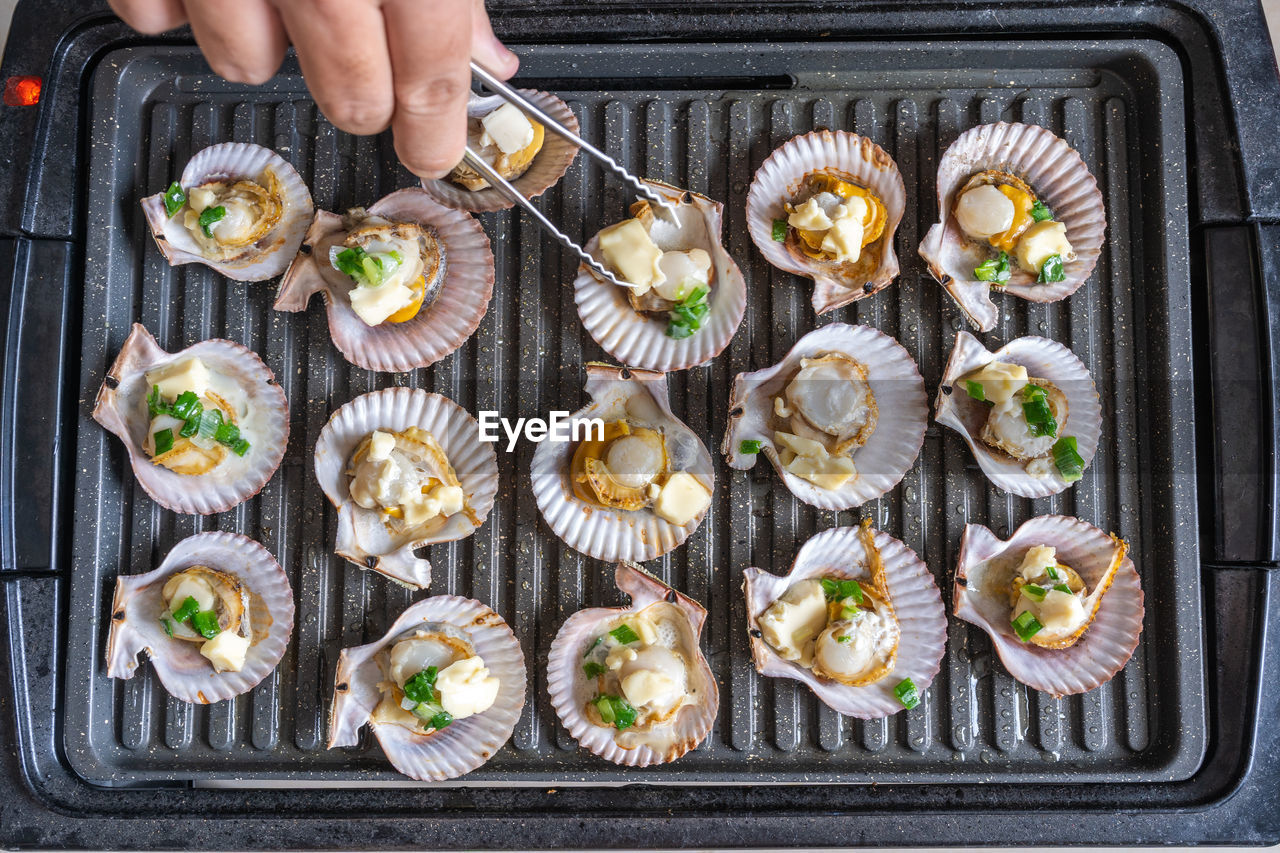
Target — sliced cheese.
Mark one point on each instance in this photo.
(792, 623)
(830, 473)
(631, 253)
(801, 446)
(374, 305)
(844, 239)
(809, 217)
(1000, 380)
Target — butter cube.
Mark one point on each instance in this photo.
(631, 253)
(1041, 241)
(226, 651)
(508, 129)
(1000, 380)
(682, 498)
(809, 217)
(830, 473)
(190, 374)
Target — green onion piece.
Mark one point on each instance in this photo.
(440, 720)
(1062, 587)
(779, 230)
(210, 215)
(155, 403)
(1051, 270)
(1066, 456)
(351, 262)
(975, 390)
(593, 669)
(616, 711)
(605, 707)
(907, 693)
(830, 588)
(164, 441)
(168, 628)
(241, 447)
(849, 612)
(372, 267)
(1051, 572)
(205, 623)
(1035, 408)
(591, 648)
(210, 420)
(845, 639)
(190, 428)
(750, 445)
(426, 710)
(1034, 592)
(1040, 211)
(996, 269)
(186, 406)
(187, 609)
(174, 199)
(624, 635)
(422, 686)
(227, 434)
(1026, 625)
(851, 589)
(688, 314)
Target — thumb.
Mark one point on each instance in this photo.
(485, 47)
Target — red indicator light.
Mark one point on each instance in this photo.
(22, 91)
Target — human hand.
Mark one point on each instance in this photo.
(368, 63)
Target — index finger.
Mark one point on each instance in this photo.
(431, 69)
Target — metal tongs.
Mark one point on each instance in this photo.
(508, 191)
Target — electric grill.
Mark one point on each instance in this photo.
(1173, 104)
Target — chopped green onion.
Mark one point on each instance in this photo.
(190, 428)
(440, 720)
(421, 687)
(688, 314)
(593, 669)
(210, 420)
(1051, 572)
(975, 389)
(1034, 592)
(186, 406)
(174, 199)
(187, 609)
(850, 613)
(845, 639)
(1051, 270)
(1035, 408)
(750, 445)
(363, 267)
(1066, 456)
(241, 447)
(591, 648)
(779, 230)
(210, 215)
(168, 628)
(624, 635)
(840, 589)
(205, 623)
(1040, 211)
(226, 433)
(851, 589)
(616, 711)
(155, 403)
(996, 269)
(907, 693)
(164, 441)
(1026, 625)
(1062, 587)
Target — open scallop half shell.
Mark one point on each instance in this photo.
(640, 341)
(983, 570)
(851, 158)
(363, 538)
(548, 166)
(1058, 176)
(1043, 359)
(571, 690)
(466, 743)
(914, 597)
(266, 257)
(887, 455)
(456, 299)
(184, 672)
(121, 407)
(616, 534)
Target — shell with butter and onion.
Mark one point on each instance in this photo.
(241, 209)
(631, 684)
(826, 205)
(635, 485)
(854, 650)
(404, 468)
(841, 418)
(239, 588)
(404, 282)
(1021, 190)
(441, 690)
(1060, 599)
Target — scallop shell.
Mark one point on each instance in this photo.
(237, 161)
(611, 534)
(362, 537)
(1111, 638)
(570, 690)
(916, 602)
(184, 672)
(1044, 359)
(893, 447)
(853, 158)
(548, 166)
(639, 341)
(1058, 176)
(458, 298)
(465, 744)
(121, 407)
